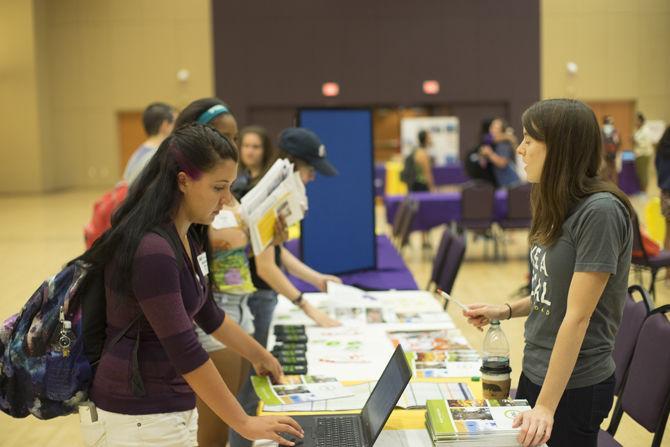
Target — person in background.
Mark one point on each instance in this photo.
(421, 179)
(643, 147)
(423, 176)
(303, 148)
(581, 240)
(256, 157)
(158, 121)
(476, 165)
(662, 162)
(611, 145)
(500, 153)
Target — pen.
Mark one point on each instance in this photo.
(448, 297)
(369, 297)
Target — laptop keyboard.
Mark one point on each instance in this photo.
(338, 432)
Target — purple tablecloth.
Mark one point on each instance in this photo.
(391, 271)
(438, 208)
(628, 181)
(443, 175)
(449, 175)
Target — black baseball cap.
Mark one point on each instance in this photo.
(304, 144)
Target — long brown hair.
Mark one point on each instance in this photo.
(572, 167)
(269, 154)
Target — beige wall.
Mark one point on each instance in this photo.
(67, 67)
(20, 149)
(98, 57)
(622, 48)
(107, 56)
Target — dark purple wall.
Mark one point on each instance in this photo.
(272, 56)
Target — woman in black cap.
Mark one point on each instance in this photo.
(304, 149)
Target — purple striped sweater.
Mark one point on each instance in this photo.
(171, 299)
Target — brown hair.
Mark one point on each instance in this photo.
(269, 154)
(572, 165)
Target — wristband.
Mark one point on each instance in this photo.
(298, 301)
(510, 311)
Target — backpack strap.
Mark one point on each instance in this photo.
(136, 382)
(173, 240)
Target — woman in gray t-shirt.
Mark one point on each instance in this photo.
(581, 241)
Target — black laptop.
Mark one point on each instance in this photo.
(359, 430)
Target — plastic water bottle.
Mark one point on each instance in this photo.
(495, 368)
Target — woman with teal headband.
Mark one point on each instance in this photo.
(229, 269)
(210, 111)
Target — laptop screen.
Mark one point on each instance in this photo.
(386, 394)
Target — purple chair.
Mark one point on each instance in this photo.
(452, 264)
(634, 314)
(518, 207)
(439, 260)
(518, 210)
(653, 263)
(477, 209)
(412, 208)
(398, 219)
(646, 390)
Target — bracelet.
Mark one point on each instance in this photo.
(510, 310)
(298, 301)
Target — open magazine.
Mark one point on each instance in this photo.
(279, 192)
(298, 389)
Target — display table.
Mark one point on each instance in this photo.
(438, 208)
(404, 427)
(387, 177)
(391, 271)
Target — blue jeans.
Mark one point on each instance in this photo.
(262, 305)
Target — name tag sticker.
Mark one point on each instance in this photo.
(202, 260)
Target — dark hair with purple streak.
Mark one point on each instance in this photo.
(154, 198)
(185, 165)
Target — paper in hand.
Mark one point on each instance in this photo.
(225, 219)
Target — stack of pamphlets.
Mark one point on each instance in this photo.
(415, 396)
(279, 192)
(485, 423)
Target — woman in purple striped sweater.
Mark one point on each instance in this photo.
(152, 402)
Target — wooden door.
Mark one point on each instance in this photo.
(623, 113)
(131, 134)
(386, 129)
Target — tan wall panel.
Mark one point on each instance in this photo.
(622, 48)
(20, 152)
(85, 61)
(112, 56)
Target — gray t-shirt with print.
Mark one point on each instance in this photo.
(596, 237)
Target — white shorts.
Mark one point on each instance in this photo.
(235, 307)
(178, 429)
